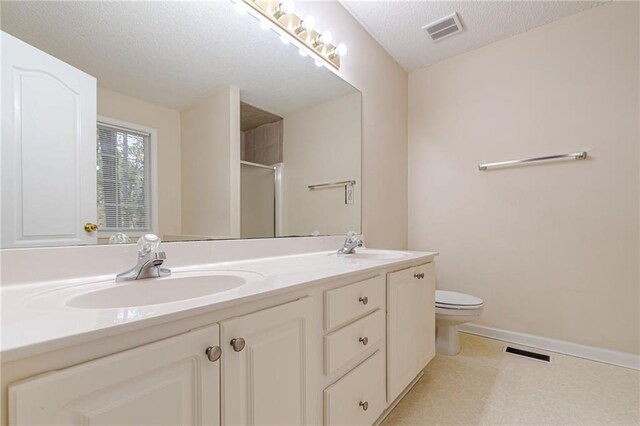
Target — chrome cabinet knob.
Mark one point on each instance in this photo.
(364, 300)
(238, 344)
(213, 353)
(364, 405)
(364, 340)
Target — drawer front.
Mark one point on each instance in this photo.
(344, 345)
(349, 302)
(363, 387)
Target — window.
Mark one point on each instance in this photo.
(124, 179)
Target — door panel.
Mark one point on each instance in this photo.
(402, 329)
(169, 382)
(426, 314)
(48, 149)
(265, 382)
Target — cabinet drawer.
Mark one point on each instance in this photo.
(347, 343)
(363, 387)
(349, 302)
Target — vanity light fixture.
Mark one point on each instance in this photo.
(301, 32)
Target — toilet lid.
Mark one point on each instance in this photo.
(453, 298)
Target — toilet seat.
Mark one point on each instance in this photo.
(458, 301)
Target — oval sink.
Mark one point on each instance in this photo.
(375, 254)
(154, 291)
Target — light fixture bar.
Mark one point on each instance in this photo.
(293, 25)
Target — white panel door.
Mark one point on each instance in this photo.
(426, 313)
(411, 328)
(264, 382)
(402, 331)
(48, 149)
(170, 382)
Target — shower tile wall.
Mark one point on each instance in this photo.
(262, 145)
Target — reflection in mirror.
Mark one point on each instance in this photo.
(184, 119)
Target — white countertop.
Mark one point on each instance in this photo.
(36, 318)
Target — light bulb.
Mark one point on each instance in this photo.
(326, 37)
(285, 7)
(341, 50)
(308, 23)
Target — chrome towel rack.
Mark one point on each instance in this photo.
(329, 185)
(581, 155)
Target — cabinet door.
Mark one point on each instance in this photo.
(410, 325)
(264, 381)
(170, 382)
(48, 149)
(426, 313)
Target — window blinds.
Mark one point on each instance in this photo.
(123, 179)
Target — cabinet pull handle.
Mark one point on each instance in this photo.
(238, 344)
(213, 353)
(364, 340)
(364, 405)
(364, 300)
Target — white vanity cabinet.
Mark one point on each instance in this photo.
(410, 325)
(265, 365)
(170, 382)
(338, 353)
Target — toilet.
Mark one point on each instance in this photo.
(453, 309)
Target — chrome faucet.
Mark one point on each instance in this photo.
(150, 261)
(351, 243)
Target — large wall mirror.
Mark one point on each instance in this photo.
(186, 119)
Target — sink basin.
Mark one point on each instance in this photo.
(375, 254)
(154, 291)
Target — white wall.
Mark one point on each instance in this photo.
(167, 122)
(552, 249)
(322, 145)
(383, 84)
(211, 165)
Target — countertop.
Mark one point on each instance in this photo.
(36, 317)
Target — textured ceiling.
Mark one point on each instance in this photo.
(173, 53)
(397, 25)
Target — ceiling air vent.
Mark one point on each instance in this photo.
(445, 27)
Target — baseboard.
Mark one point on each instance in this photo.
(621, 359)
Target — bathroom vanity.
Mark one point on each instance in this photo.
(311, 338)
(197, 125)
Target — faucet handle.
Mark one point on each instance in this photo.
(351, 236)
(148, 243)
